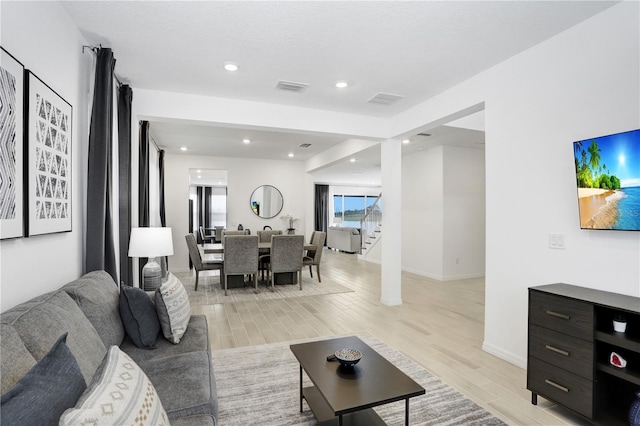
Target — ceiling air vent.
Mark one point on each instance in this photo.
(426, 135)
(291, 86)
(385, 99)
(305, 145)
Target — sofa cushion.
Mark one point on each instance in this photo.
(185, 383)
(40, 321)
(119, 394)
(139, 317)
(97, 296)
(40, 397)
(195, 339)
(173, 308)
(15, 360)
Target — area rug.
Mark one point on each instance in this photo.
(209, 290)
(260, 385)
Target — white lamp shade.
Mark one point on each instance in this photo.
(150, 242)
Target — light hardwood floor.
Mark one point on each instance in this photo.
(440, 325)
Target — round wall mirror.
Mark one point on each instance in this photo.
(266, 201)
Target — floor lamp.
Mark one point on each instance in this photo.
(151, 243)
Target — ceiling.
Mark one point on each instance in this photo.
(414, 49)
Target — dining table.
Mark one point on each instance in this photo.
(217, 249)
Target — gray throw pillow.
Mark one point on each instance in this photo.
(54, 384)
(139, 317)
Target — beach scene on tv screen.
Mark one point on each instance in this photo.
(608, 178)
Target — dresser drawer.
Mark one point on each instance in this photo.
(561, 314)
(561, 386)
(564, 351)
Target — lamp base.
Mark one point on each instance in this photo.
(151, 275)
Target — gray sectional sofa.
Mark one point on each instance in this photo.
(88, 309)
(345, 239)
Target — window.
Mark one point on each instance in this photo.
(348, 210)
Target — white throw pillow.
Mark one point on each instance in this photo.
(173, 308)
(120, 394)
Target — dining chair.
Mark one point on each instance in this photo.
(218, 233)
(286, 256)
(314, 255)
(198, 263)
(205, 237)
(264, 236)
(241, 258)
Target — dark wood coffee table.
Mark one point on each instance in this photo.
(345, 396)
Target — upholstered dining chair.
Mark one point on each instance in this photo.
(286, 256)
(264, 236)
(198, 263)
(218, 233)
(241, 258)
(205, 237)
(232, 232)
(314, 255)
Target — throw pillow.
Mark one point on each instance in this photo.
(139, 317)
(119, 394)
(40, 397)
(174, 310)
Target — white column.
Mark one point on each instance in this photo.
(391, 162)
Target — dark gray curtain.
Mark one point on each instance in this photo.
(100, 248)
(322, 207)
(200, 213)
(125, 96)
(143, 175)
(143, 185)
(164, 264)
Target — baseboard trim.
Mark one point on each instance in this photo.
(505, 355)
(423, 274)
(390, 302)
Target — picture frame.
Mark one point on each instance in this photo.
(11, 146)
(49, 161)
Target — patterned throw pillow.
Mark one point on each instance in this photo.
(39, 398)
(174, 310)
(120, 394)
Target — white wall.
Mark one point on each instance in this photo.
(463, 252)
(423, 213)
(579, 84)
(244, 176)
(443, 213)
(43, 38)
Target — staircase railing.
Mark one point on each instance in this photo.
(370, 224)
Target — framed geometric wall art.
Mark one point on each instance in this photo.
(49, 145)
(11, 147)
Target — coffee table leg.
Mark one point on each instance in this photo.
(301, 388)
(406, 412)
(340, 420)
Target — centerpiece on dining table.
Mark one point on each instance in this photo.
(289, 222)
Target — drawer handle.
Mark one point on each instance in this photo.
(558, 315)
(556, 350)
(555, 385)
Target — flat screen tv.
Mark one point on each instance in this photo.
(608, 179)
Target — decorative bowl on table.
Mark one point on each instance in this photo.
(348, 357)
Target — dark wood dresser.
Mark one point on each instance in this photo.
(570, 340)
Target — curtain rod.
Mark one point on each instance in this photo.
(94, 50)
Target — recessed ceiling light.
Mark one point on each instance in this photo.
(246, 140)
(199, 171)
(219, 182)
(405, 141)
(341, 84)
(291, 154)
(199, 177)
(183, 148)
(353, 160)
(230, 66)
